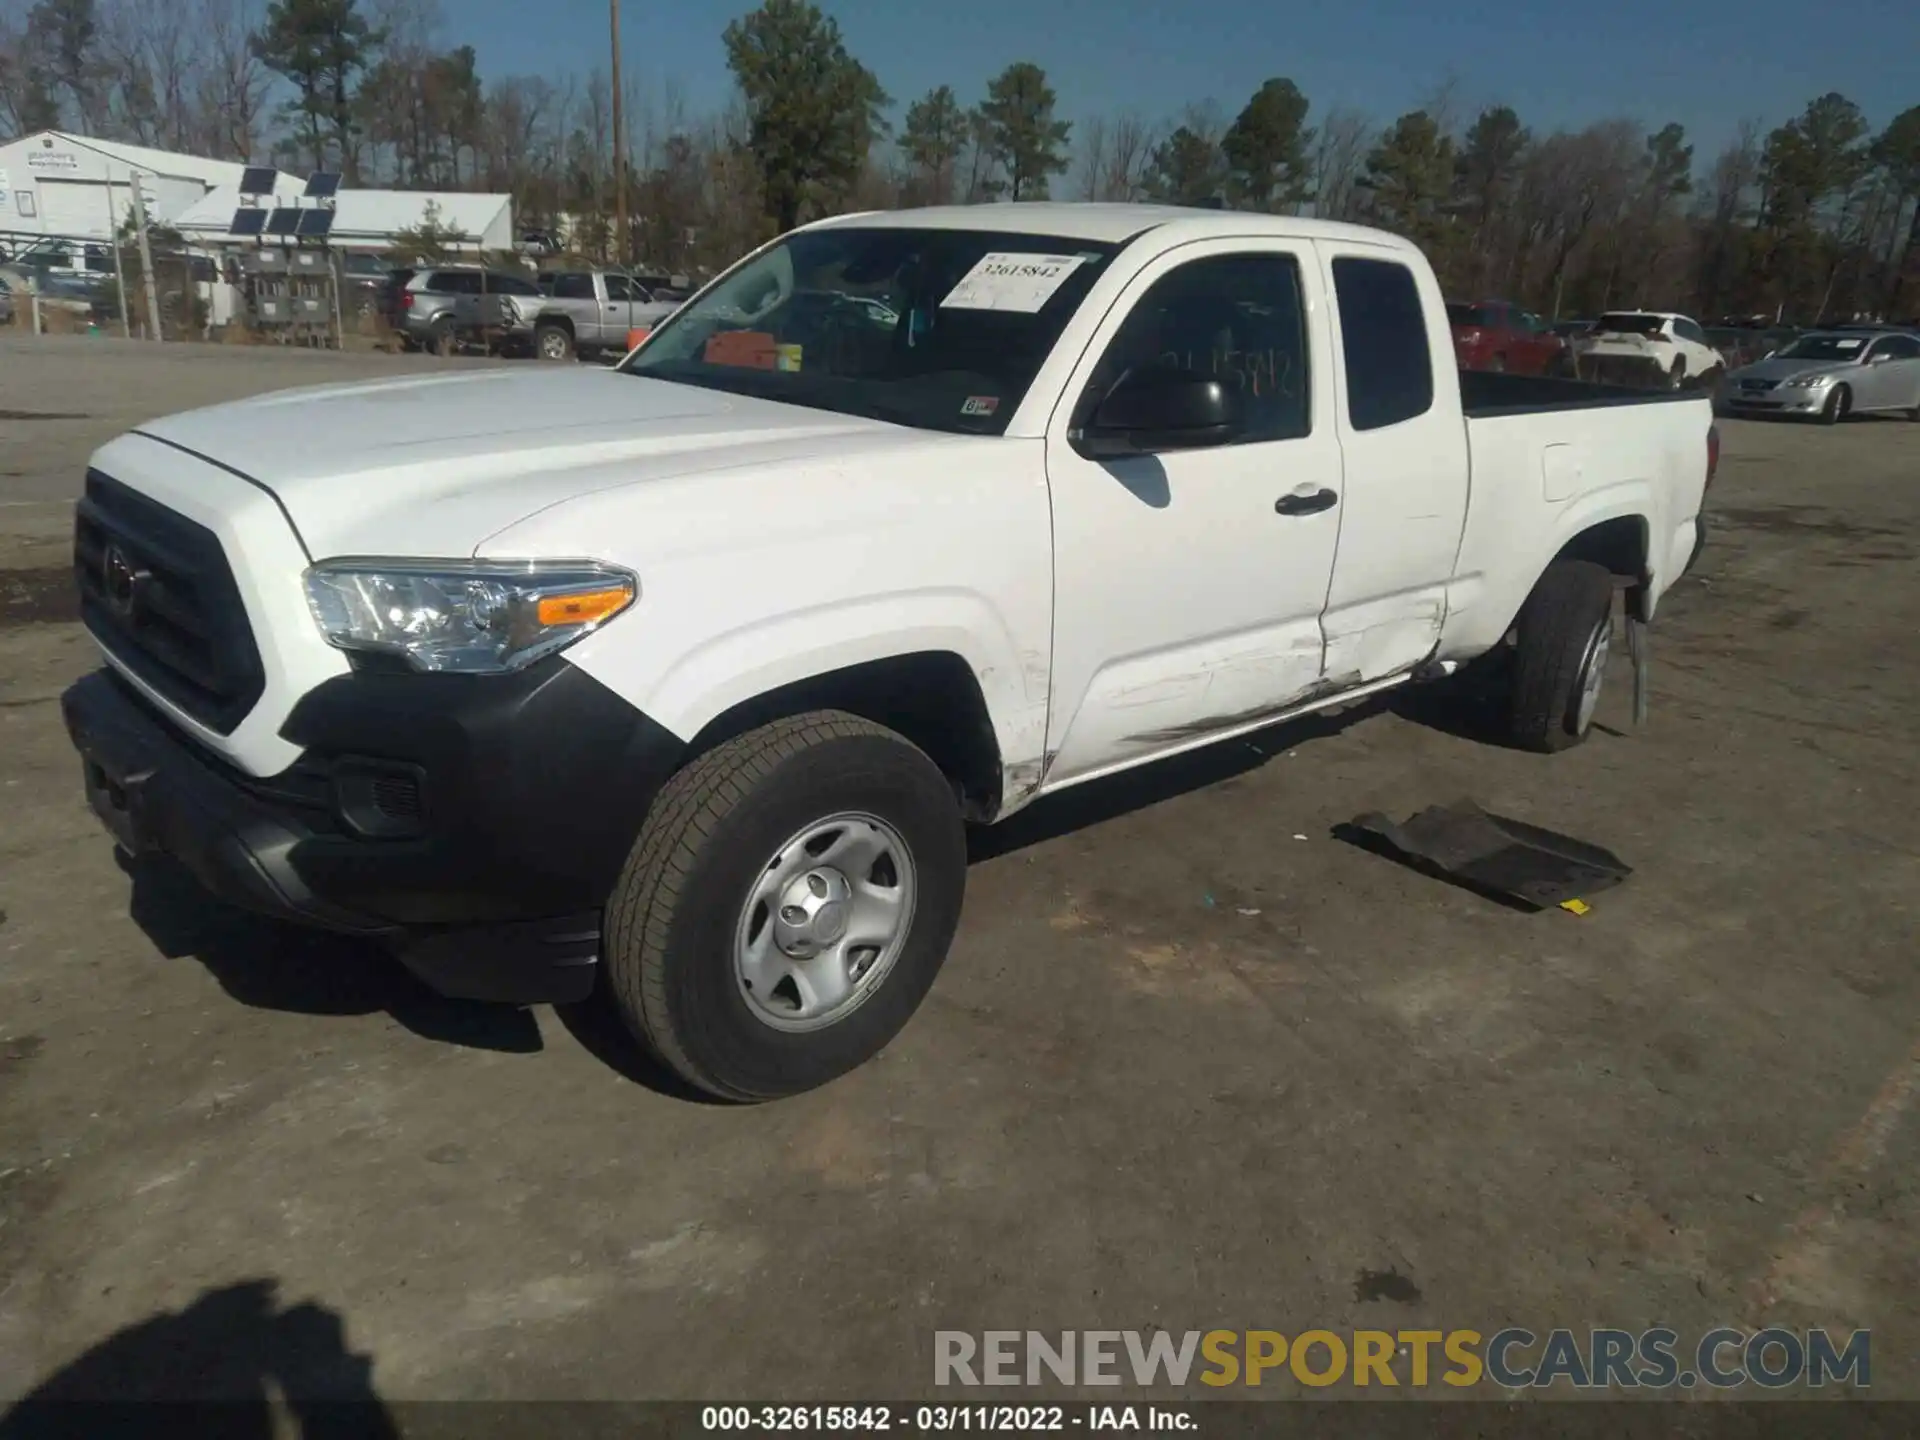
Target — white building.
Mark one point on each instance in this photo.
(366, 219)
(74, 186)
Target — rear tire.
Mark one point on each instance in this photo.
(676, 922)
(1565, 634)
(441, 341)
(1837, 406)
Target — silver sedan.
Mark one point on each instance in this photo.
(1830, 375)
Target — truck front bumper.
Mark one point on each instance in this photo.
(475, 825)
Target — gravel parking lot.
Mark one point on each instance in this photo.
(1193, 1063)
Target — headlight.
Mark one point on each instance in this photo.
(1808, 382)
(470, 616)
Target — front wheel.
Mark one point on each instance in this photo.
(1560, 659)
(1837, 406)
(552, 342)
(787, 906)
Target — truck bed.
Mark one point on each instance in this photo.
(1486, 393)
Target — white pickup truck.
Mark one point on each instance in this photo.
(679, 681)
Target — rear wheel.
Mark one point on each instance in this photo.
(1677, 375)
(1565, 636)
(1837, 406)
(787, 906)
(441, 341)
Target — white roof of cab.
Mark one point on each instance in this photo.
(1106, 223)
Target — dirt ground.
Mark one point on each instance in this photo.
(1194, 1063)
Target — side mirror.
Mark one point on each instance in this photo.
(1162, 407)
(1879, 359)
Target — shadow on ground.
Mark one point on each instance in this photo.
(273, 966)
(235, 1362)
(306, 972)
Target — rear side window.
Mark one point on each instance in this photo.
(1383, 337)
(573, 287)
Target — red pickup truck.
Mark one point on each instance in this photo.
(1495, 335)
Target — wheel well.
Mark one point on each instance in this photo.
(557, 322)
(1619, 545)
(930, 697)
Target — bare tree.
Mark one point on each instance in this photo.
(1090, 160)
(1130, 145)
(230, 91)
(1339, 154)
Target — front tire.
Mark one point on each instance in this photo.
(737, 947)
(552, 342)
(1837, 406)
(1559, 663)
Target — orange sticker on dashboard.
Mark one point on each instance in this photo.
(750, 349)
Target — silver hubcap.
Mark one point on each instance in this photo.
(824, 922)
(555, 346)
(1593, 674)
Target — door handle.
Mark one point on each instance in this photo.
(1306, 502)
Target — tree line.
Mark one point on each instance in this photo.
(1816, 218)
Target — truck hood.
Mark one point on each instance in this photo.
(433, 465)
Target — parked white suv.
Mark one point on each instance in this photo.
(681, 680)
(1637, 346)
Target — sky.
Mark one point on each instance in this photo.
(1557, 62)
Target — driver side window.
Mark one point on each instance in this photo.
(1236, 318)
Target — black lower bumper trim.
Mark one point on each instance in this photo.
(153, 794)
(551, 961)
(526, 794)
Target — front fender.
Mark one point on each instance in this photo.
(693, 683)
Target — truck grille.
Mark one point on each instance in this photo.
(157, 592)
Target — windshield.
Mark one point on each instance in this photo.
(1825, 347)
(938, 329)
(1629, 324)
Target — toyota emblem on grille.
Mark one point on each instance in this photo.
(120, 580)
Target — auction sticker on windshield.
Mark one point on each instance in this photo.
(1008, 281)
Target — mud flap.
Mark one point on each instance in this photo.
(1506, 860)
(1639, 651)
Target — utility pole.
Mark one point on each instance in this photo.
(146, 256)
(619, 149)
(119, 270)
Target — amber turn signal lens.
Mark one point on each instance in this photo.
(583, 606)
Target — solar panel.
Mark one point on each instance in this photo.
(249, 220)
(316, 223)
(283, 222)
(257, 180)
(322, 184)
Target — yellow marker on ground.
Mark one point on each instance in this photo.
(1578, 907)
